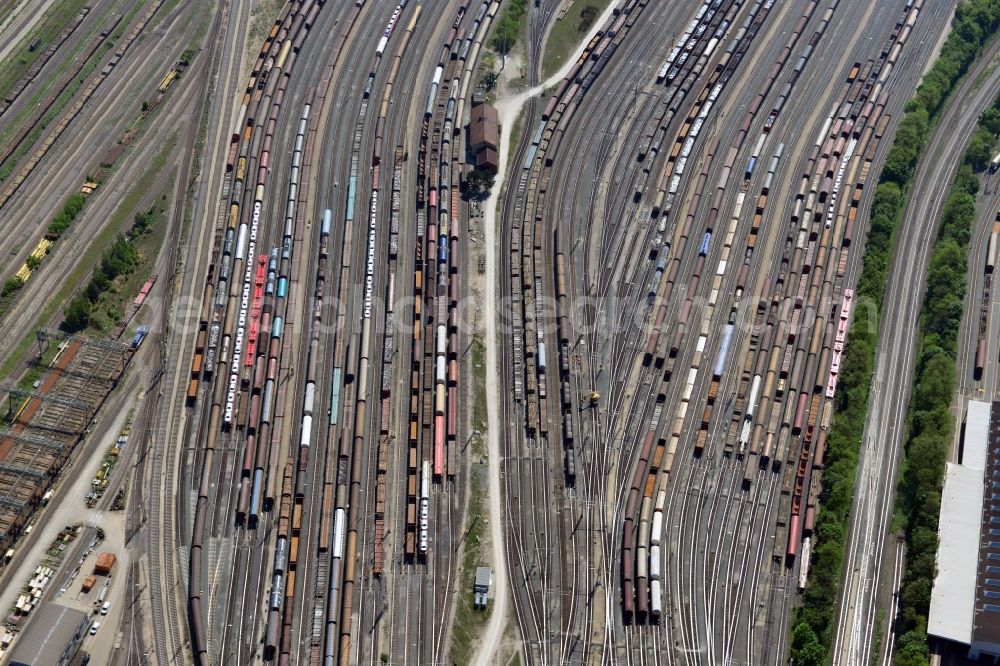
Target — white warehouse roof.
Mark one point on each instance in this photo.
(484, 578)
(977, 435)
(954, 596)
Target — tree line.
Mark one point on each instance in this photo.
(931, 423)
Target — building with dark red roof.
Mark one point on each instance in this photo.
(484, 136)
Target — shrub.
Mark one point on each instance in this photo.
(77, 314)
(12, 285)
(65, 217)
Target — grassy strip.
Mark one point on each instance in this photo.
(814, 622)
(92, 255)
(517, 129)
(567, 32)
(163, 14)
(123, 25)
(479, 407)
(39, 366)
(508, 26)
(469, 621)
(58, 106)
(20, 60)
(875, 658)
(57, 69)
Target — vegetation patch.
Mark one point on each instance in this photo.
(65, 217)
(508, 27)
(814, 622)
(489, 75)
(480, 181)
(568, 31)
(122, 270)
(118, 261)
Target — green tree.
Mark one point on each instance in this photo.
(911, 650)
(481, 180)
(990, 119)
(119, 259)
(806, 649)
(77, 314)
(12, 285)
(100, 280)
(910, 138)
(143, 222)
(62, 220)
(980, 149)
(74, 204)
(966, 180)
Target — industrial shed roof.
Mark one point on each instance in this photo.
(45, 641)
(953, 601)
(977, 425)
(955, 584)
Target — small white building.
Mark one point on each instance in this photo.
(481, 588)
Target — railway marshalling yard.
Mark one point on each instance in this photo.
(315, 309)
